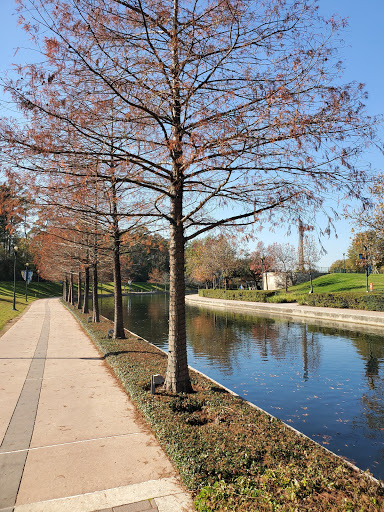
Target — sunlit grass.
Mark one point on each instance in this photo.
(342, 283)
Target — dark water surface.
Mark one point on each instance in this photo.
(327, 383)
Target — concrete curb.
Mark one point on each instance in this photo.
(165, 492)
(362, 317)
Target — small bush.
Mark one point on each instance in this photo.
(283, 297)
(248, 295)
(352, 300)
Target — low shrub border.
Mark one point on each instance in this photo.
(350, 300)
(248, 295)
(232, 456)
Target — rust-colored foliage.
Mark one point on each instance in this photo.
(218, 113)
(211, 259)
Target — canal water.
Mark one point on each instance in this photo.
(326, 382)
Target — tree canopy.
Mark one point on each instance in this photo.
(220, 113)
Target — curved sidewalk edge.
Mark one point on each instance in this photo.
(162, 495)
(329, 315)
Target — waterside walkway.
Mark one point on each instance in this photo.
(295, 311)
(70, 439)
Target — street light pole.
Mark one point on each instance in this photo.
(262, 271)
(38, 282)
(15, 249)
(26, 281)
(366, 265)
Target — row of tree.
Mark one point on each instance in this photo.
(191, 116)
(212, 261)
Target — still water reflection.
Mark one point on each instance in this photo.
(327, 383)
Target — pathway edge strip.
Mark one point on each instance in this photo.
(107, 498)
(18, 434)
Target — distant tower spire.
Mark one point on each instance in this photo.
(300, 250)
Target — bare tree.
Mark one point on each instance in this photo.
(212, 259)
(230, 112)
(261, 262)
(311, 256)
(285, 262)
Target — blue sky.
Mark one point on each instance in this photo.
(362, 55)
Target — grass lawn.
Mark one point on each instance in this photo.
(342, 283)
(34, 292)
(142, 287)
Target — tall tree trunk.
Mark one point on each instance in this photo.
(86, 291)
(177, 377)
(72, 290)
(95, 294)
(65, 288)
(79, 291)
(118, 331)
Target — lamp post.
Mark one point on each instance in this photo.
(366, 265)
(38, 282)
(344, 261)
(262, 273)
(26, 281)
(15, 249)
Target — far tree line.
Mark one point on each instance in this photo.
(218, 262)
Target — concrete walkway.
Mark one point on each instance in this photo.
(70, 439)
(327, 316)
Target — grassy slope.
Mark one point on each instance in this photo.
(342, 283)
(34, 292)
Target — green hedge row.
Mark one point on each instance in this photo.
(349, 300)
(249, 295)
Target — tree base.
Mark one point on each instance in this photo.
(119, 336)
(178, 387)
